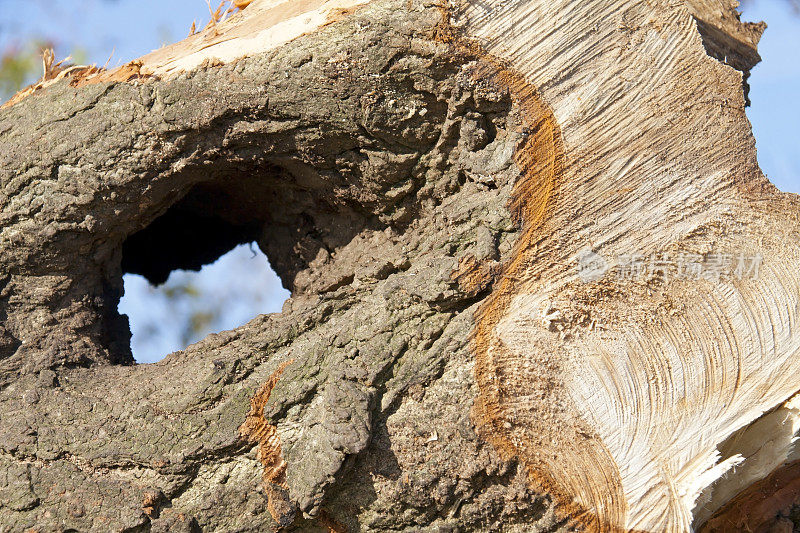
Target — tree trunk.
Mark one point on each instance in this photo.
(538, 280)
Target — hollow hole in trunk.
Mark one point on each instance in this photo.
(197, 268)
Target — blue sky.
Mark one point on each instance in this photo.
(236, 288)
(242, 286)
(775, 93)
(130, 28)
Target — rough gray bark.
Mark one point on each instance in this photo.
(407, 186)
(366, 172)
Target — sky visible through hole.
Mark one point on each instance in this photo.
(189, 305)
(239, 286)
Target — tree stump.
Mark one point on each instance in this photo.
(538, 280)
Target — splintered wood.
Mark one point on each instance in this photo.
(53, 71)
(257, 26)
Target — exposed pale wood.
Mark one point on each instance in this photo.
(258, 27)
(262, 26)
(627, 416)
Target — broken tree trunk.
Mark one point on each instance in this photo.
(538, 280)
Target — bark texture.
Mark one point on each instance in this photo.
(422, 177)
